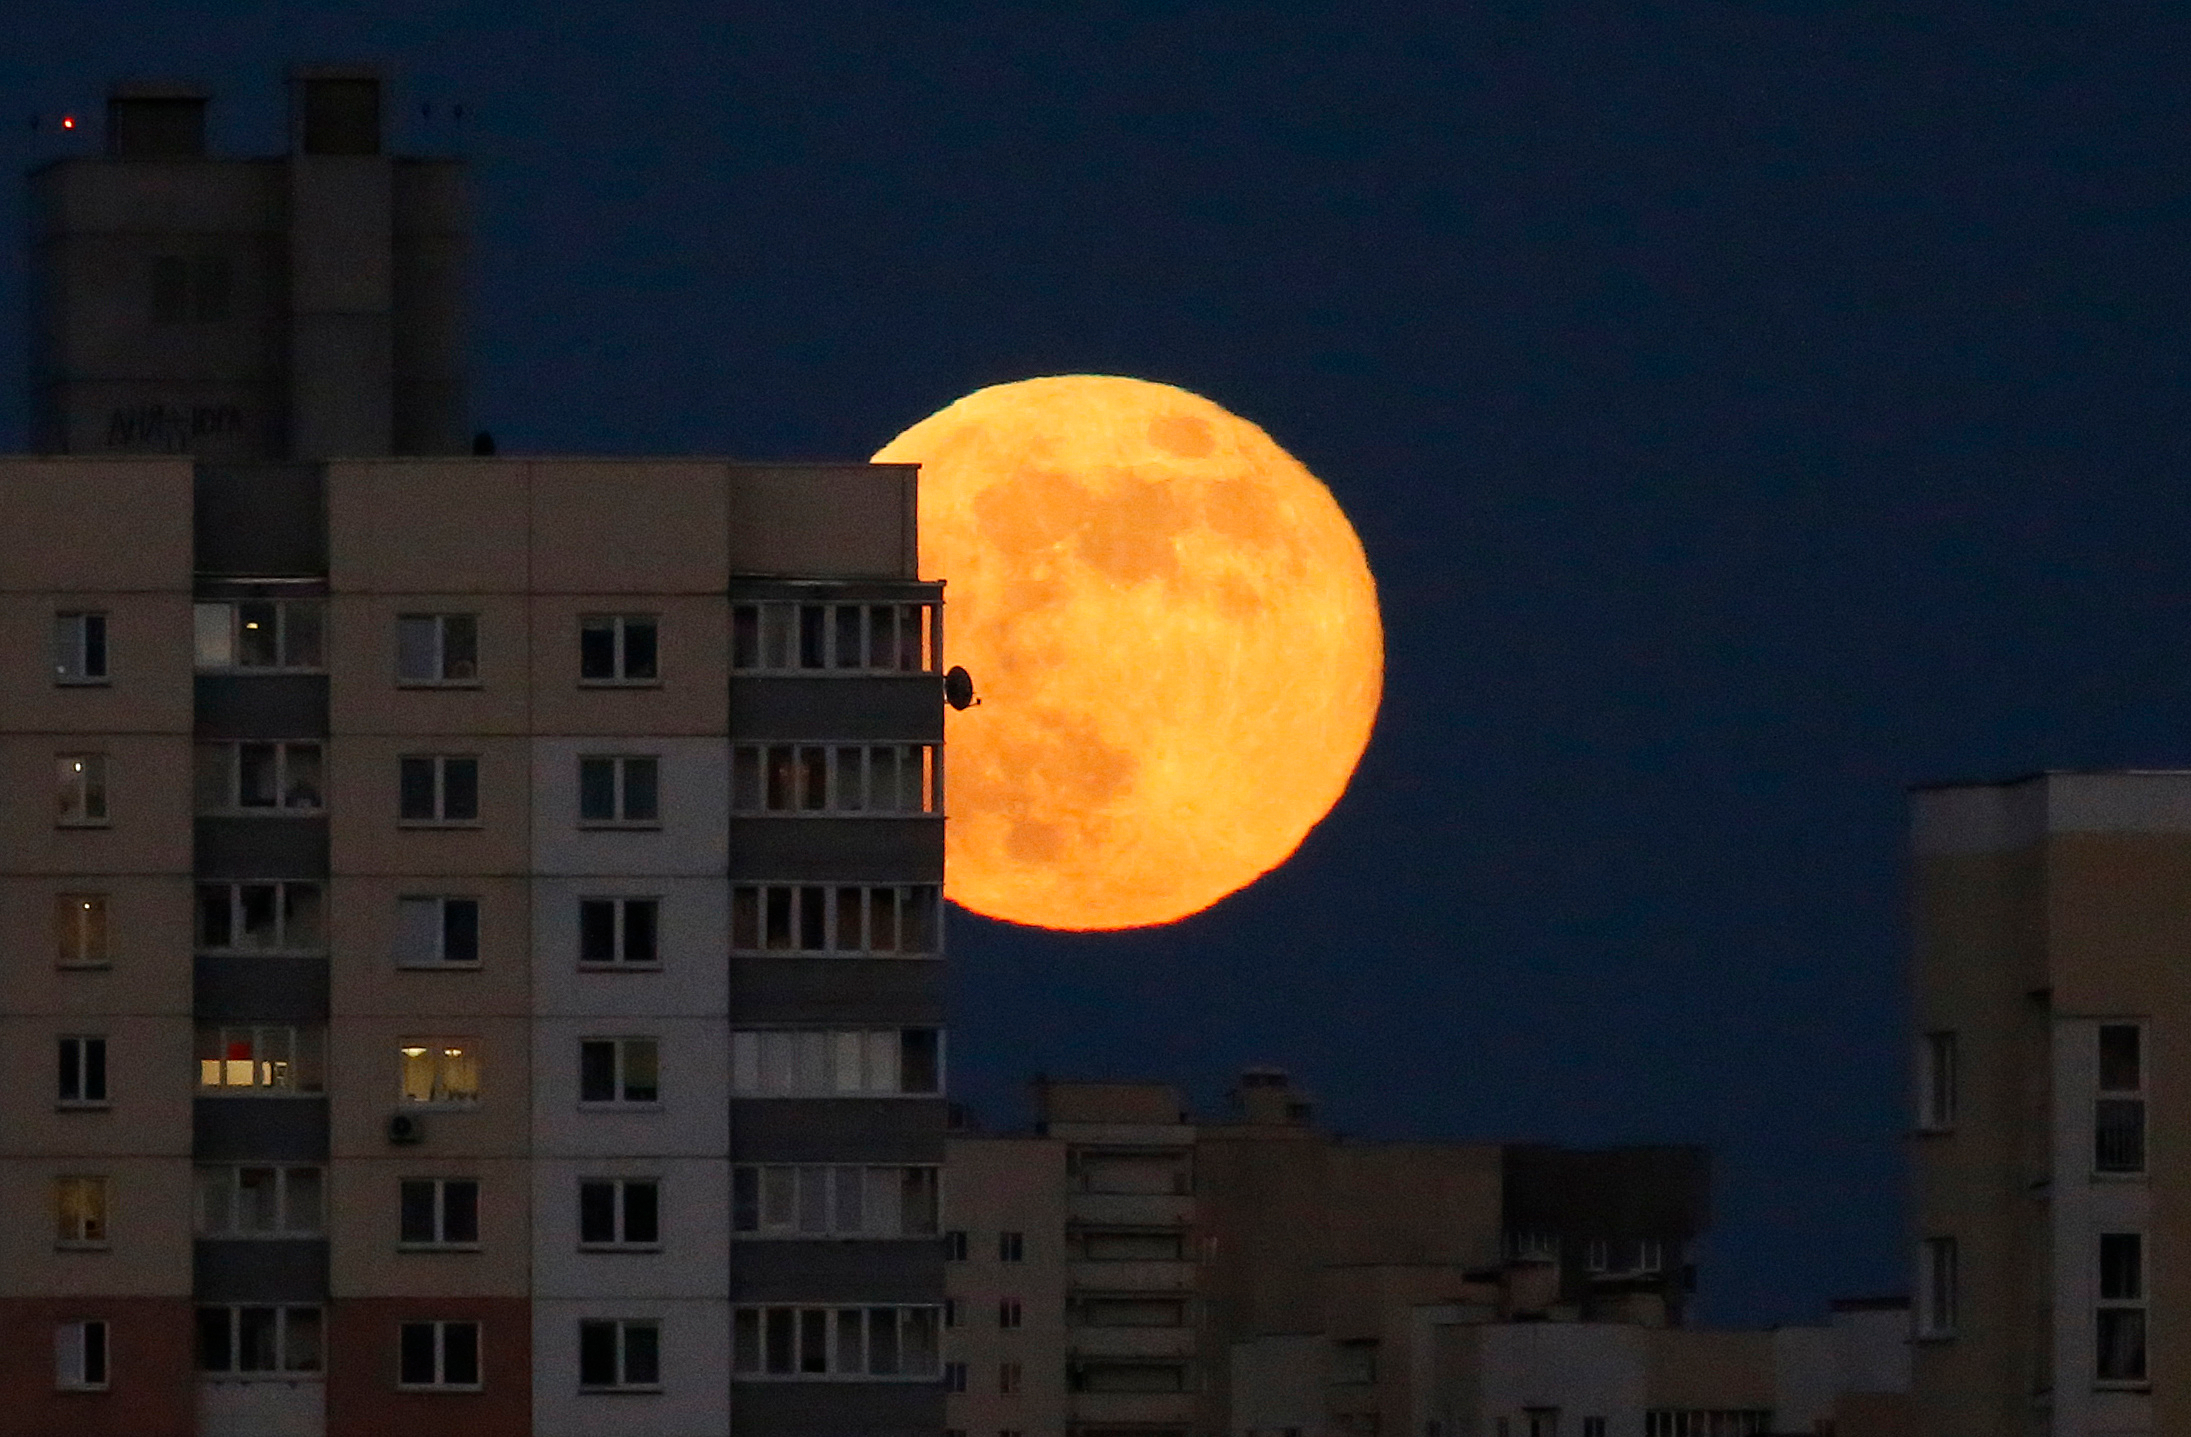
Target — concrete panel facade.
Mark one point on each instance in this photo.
(151, 1389)
(692, 1260)
(364, 1400)
(694, 1395)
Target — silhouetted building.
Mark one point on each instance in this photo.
(471, 924)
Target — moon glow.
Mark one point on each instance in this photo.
(1175, 636)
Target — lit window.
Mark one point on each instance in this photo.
(619, 792)
(260, 778)
(80, 790)
(835, 778)
(620, 1213)
(261, 634)
(237, 1061)
(619, 1071)
(817, 918)
(259, 1341)
(438, 788)
(795, 1062)
(79, 648)
(619, 1356)
(438, 1355)
(617, 649)
(2120, 1315)
(440, 1071)
(835, 1342)
(83, 1073)
(437, 932)
(437, 649)
(80, 1356)
(833, 1200)
(261, 918)
(80, 930)
(619, 932)
(838, 638)
(2118, 1112)
(80, 1211)
(260, 1200)
(439, 1212)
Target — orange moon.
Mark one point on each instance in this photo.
(1174, 634)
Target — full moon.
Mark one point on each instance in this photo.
(1174, 634)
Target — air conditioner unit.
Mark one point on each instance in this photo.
(405, 1128)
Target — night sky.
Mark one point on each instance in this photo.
(1749, 410)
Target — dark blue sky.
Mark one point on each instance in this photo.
(1748, 409)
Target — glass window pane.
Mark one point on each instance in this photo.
(642, 1070)
(214, 1185)
(214, 625)
(812, 1051)
(597, 649)
(639, 649)
(882, 1341)
(814, 778)
(257, 635)
(882, 1060)
(2121, 1068)
(745, 636)
(745, 1341)
(301, 623)
(917, 1188)
(214, 779)
(460, 789)
(779, 918)
(810, 636)
(814, 1340)
(641, 919)
(642, 1216)
(917, 1340)
(257, 904)
(884, 1193)
(882, 779)
(882, 928)
(920, 1074)
(460, 1210)
(419, 1067)
(460, 1354)
(884, 618)
(776, 626)
(745, 1199)
(642, 1354)
(642, 803)
(417, 785)
(850, 796)
(910, 657)
(417, 1361)
(215, 916)
(597, 1212)
(777, 1061)
(2122, 1267)
(851, 929)
(847, 1062)
(302, 783)
(813, 919)
(597, 1354)
(304, 923)
(460, 930)
(847, 1217)
(745, 779)
(814, 1200)
(257, 1339)
(779, 1186)
(849, 650)
(781, 772)
(216, 1351)
(417, 649)
(745, 919)
(417, 1212)
(257, 1200)
(459, 647)
(303, 1201)
(597, 930)
(779, 1339)
(851, 1349)
(597, 790)
(597, 1071)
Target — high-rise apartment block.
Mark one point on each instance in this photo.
(2051, 923)
(469, 927)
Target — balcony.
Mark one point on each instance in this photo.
(1110, 1342)
(1130, 1276)
(1130, 1209)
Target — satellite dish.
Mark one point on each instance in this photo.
(958, 689)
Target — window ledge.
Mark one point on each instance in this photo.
(83, 1105)
(263, 810)
(441, 684)
(460, 824)
(73, 683)
(439, 966)
(80, 1389)
(303, 954)
(434, 1247)
(94, 967)
(2136, 1177)
(620, 683)
(619, 967)
(83, 1247)
(83, 823)
(641, 1248)
(2136, 1388)
(270, 1094)
(654, 1391)
(429, 1388)
(259, 1236)
(458, 1105)
(623, 825)
(586, 1107)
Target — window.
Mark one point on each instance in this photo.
(79, 648)
(260, 1060)
(1542, 1421)
(439, 788)
(619, 792)
(833, 1200)
(1117, 1245)
(190, 288)
(80, 930)
(83, 1073)
(1011, 1247)
(1936, 1287)
(618, 1071)
(812, 918)
(835, 778)
(954, 1373)
(1008, 1312)
(260, 1200)
(1008, 1378)
(2120, 1316)
(2118, 1136)
(80, 1356)
(261, 634)
(260, 778)
(440, 1070)
(620, 1213)
(954, 1245)
(785, 1062)
(838, 638)
(827, 1342)
(617, 649)
(619, 932)
(1593, 1427)
(437, 932)
(1706, 1422)
(442, 1355)
(261, 918)
(259, 1341)
(437, 649)
(1354, 1360)
(619, 1356)
(439, 1212)
(1936, 1074)
(80, 1212)
(80, 790)
(950, 1312)
(1136, 1310)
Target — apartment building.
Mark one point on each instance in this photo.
(472, 925)
(2050, 924)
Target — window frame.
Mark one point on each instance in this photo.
(2122, 1099)
(441, 660)
(1939, 1075)
(283, 889)
(770, 636)
(1011, 1246)
(440, 1328)
(805, 1202)
(622, 1327)
(759, 1054)
(440, 772)
(87, 918)
(760, 773)
(92, 1216)
(304, 1059)
(756, 1328)
(620, 930)
(1938, 1288)
(443, 904)
(620, 767)
(73, 1347)
(81, 1058)
(230, 1179)
(620, 1046)
(230, 756)
(284, 1369)
(800, 912)
(461, 1048)
(2106, 1307)
(438, 1201)
(620, 1188)
(75, 648)
(285, 632)
(82, 790)
(620, 626)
